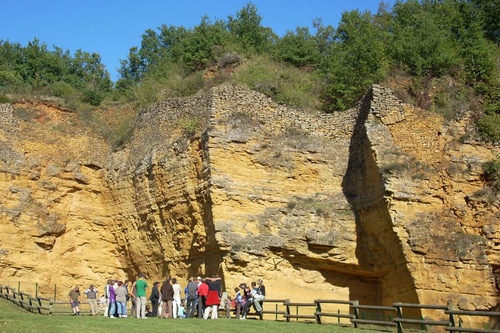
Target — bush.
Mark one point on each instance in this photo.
(284, 84)
(93, 96)
(489, 127)
(229, 59)
(491, 173)
(62, 89)
(4, 98)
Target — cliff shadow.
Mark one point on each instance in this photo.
(379, 251)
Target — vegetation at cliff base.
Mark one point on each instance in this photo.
(439, 55)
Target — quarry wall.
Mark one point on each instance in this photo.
(380, 203)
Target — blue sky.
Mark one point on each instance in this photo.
(112, 27)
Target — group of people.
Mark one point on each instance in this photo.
(203, 297)
(114, 299)
(247, 297)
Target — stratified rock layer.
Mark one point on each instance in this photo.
(381, 203)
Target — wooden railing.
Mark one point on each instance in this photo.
(34, 304)
(460, 313)
(400, 319)
(284, 309)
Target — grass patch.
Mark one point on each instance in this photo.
(16, 320)
(284, 84)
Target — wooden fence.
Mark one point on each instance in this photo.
(354, 314)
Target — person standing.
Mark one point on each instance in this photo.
(213, 297)
(177, 297)
(155, 299)
(127, 297)
(74, 299)
(112, 300)
(141, 286)
(133, 298)
(167, 296)
(191, 297)
(202, 297)
(121, 300)
(92, 296)
(106, 295)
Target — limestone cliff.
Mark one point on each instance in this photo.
(381, 203)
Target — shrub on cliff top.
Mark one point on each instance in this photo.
(283, 83)
(491, 172)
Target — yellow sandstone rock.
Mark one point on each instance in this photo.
(380, 203)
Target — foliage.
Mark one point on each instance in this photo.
(354, 62)
(35, 68)
(188, 125)
(203, 46)
(298, 49)
(491, 172)
(4, 98)
(490, 12)
(247, 31)
(447, 49)
(167, 80)
(489, 126)
(282, 83)
(436, 54)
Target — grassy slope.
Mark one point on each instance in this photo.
(16, 320)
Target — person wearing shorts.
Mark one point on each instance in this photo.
(74, 299)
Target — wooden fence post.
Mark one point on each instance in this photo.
(287, 310)
(452, 318)
(318, 312)
(399, 313)
(356, 313)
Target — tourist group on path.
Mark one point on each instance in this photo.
(203, 298)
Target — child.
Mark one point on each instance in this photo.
(102, 303)
(148, 311)
(238, 302)
(181, 312)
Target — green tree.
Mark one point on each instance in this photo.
(204, 44)
(247, 30)
(11, 58)
(171, 40)
(94, 80)
(354, 62)
(324, 37)
(40, 67)
(151, 51)
(422, 42)
(298, 48)
(131, 70)
(490, 11)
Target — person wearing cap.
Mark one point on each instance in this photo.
(202, 297)
(191, 297)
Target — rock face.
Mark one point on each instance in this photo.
(381, 203)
